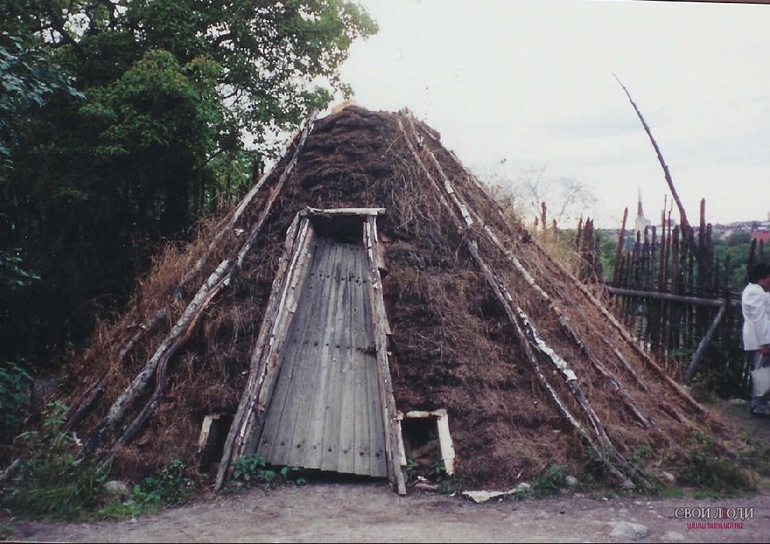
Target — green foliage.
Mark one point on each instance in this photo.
(12, 271)
(158, 103)
(28, 77)
(176, 100)
(15, 392)
(55, 484)
(641, 454)
(608, 248)
(551, 481)
(720, 371)
(253, 471)
(436, 475)
(758, 456)
(172, 485)
(436, 472)
(714, 476)
(139, 503)
(736, 247)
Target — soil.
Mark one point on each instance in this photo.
(371, 512)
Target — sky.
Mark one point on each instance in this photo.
(515, 86)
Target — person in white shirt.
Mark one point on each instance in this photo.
(755, 306)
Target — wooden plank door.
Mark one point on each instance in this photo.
(325, 411)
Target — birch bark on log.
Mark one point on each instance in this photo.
(591, 298)
(387, 401)
(89, 399)
(176, 337)
(506, 300)
(243, 418)
(233, 219)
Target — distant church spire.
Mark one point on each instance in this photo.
(641, 221)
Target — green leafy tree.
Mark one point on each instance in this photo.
(736, 247)
(182, 99)
(29, 79)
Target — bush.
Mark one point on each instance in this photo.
(15, 398)
(252, 470)
(551, 481)
(54, 483)
(172, 485)
(703, 467)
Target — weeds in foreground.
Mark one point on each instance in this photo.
(53, 483)
(253, 471)
(710, 473)
(551, 481)
(15, 388)
(172, 485)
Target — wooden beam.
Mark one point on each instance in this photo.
(380, 319)
(657, 295)
(343, 211)
(693, 366)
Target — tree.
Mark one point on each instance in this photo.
(566, 199)
(180, 98)
(28, 80)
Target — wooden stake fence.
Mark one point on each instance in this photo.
(672, 294)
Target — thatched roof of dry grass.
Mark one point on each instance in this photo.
(455, 346)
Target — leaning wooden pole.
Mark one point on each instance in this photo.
(666, 173)
(692, 368)
(620, 468)
(179, 333)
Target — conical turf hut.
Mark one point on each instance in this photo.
(365, 303)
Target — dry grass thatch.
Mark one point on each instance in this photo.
(493, 366)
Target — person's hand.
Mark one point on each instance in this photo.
(765, 349)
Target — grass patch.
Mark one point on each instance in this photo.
(711, 474)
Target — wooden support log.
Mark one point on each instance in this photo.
(693, 366)
(619, 327)
(180, 332)
(564, 321)
(89, 399)
(137, 424)
(244, 419)
(570, 331)
(666, 173)
(696, 301)
(165, 350)
(633, 344)
(387, 401)
(506, 300)
(571, 381)
(235, 216)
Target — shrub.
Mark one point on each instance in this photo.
(53, 482)
(703, 467)
(551, 481)
(252, 470)
(15, 388)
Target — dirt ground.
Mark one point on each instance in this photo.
(335, 512)
(371, 512)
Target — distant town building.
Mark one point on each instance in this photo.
(761, 236)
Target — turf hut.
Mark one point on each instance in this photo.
(365, 307)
